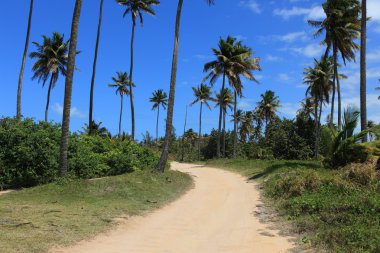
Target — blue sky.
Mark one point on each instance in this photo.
(276, 30)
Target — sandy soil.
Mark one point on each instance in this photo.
(5, 192)
(216, 216)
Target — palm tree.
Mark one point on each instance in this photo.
(136, 9)
(97, 129)
(160, 167)
(21, 75)
(268, 106)
(121, 83)
(246, 126)
(68, 89)
(90, 120)
(307, 108)
(341, 27)
(51, 61)
(159, 98)
(202, 94)
(225, 100)
(363, 72)
(378, 88)
(319, 83)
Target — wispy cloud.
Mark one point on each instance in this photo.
(252, 5)
(374, 55)
(311, 50)
(284, 77)
(203, 57)
(315, 12)
(75, 112)
(273, 58)
(289, 109)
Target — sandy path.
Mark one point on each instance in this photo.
(214, 217)
(6, 191)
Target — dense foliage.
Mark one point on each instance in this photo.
(29, 154)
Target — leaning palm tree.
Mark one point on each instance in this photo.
(21, 75)
(225, 100)
(121, 83)
(341, 27)
(90, 120)
(136, 8)
(173, 79)
(202, 94)
(159, 98)
(68, 89)
(318, 78)
(268, 106)
(363, 69)
(51, 61)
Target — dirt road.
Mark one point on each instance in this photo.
(217, 216)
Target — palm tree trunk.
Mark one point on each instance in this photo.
(169, 120)
(68, 89)
(333, 100)
(224, 133)
(48, 99)
(339, 98)
(316, 144)
(90, 121)
(235, 125)
(21, 75)
(183, 137)
(220, 119)
(121, 115)
(200, 132)
(158, 116)
(131, 79)
(319, 128)
(363, 74)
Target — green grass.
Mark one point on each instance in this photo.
(335, 210)
(36, 219)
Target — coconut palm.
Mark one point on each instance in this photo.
(202, 95)
(341, 27)
(268, 106)
(378, 88)
(135, 8)
(21, 75)
(159, 98)
(97, 129)
(51, 61)
(173, 79)
(68, 89)
(307, 108)
(90, 120)
(225, 100)
(246, 127)
(121, 83)
(363, 72)
(318, 78)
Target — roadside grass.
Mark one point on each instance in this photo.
(338, 211)
(61, 213)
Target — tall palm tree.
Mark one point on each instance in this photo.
(51, 61)
(68, 89)
(202, 94)
(307, 108)
(319, 83)
(136, 9)
(378, 88)
(363, 71)
(268, 106)
(90, 120)
(173, 78)
(159, 98)
(246, 126)
(121, 83)
(225, 100)
(21, 75)
(341, 27)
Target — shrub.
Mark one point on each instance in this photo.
(359, 173)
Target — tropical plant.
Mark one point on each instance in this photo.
(341, 27)
(246, 127)
(225, 100)
(173, 78)
(51, 61)
(121, 83)
(96, 129)
(363, 70)
(378, 88)
(68, 89)
(159, 98)
(344, 149)
(135, 8)
(90, 120)
(21, 75)
(202, 95)
(307, 108)
(268, 106)
(318, 78)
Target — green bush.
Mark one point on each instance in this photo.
(29, 154)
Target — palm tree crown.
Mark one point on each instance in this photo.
(137, 7)
(202, 94)
(225, 99)
(159, 98)
(268, 105)
(121, 83)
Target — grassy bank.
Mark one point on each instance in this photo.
(335, 210)
(33, 220)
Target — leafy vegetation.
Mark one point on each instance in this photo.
(336, 210)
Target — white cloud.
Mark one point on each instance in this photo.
(309, 13)
(373, 8)
(75, 112)
(273, 58)
(289, 109)
(240, 37)
(245, 104)
(284, 77)
(374, 55)
(252, 5)
(294, 36)
(311, 50)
